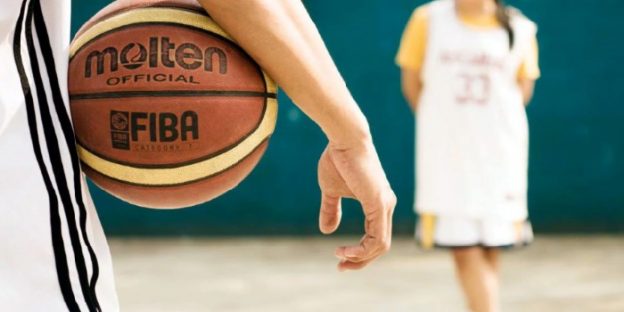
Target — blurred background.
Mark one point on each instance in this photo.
(576, 173)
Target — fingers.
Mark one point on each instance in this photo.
(370, 247)
(375, 242)
(351, 266)
(357, 257)
(357, 173)
(377, 239)
(330, 214)
(390, 220)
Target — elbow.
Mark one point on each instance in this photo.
(528, 95)
(411, 86)
(527, 87)
(411, 96)
(406, 95)
(412, 100)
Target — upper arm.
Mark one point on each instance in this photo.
(413, 45)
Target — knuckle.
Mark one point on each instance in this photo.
(392, 200)
(389, 201)
(386, 246)
(327, 210)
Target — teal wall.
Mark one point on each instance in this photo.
(577, 128)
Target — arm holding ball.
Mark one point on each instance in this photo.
(282, 38)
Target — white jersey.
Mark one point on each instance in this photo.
(53, 253)
(472, 133)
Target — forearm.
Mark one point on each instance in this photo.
(527, 86)
(281, 37)
(412, 99)
(411, 85)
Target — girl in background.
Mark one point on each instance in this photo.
(468, 67)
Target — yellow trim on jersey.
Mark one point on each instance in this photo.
(427, 230)
(184, 173)
(480, 21)
(413, 46)
(411, 54)
(187, 173)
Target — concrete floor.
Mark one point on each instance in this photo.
(298, 274)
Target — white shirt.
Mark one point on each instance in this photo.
(472, 133)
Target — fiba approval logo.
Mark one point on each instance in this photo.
(119, 130)
(148, 131)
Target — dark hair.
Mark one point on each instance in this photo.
(502, 15)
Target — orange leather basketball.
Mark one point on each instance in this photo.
(168, 110)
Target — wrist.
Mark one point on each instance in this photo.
(355, 133)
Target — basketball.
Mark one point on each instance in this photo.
(168, 110)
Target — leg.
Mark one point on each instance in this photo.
(491, 255)
(478, 279)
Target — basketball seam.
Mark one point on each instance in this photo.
(182, 183)
(171, 93)
(267, 84)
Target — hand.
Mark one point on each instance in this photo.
(355, 172)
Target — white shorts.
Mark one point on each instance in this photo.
(450, 232)
(53, 252)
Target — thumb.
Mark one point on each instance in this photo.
(330, 214)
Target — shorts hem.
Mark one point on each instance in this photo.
(481, 245)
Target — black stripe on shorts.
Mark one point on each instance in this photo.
(56, 162)
(60, 256)
(68, 133)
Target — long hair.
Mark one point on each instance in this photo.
(502, 15)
